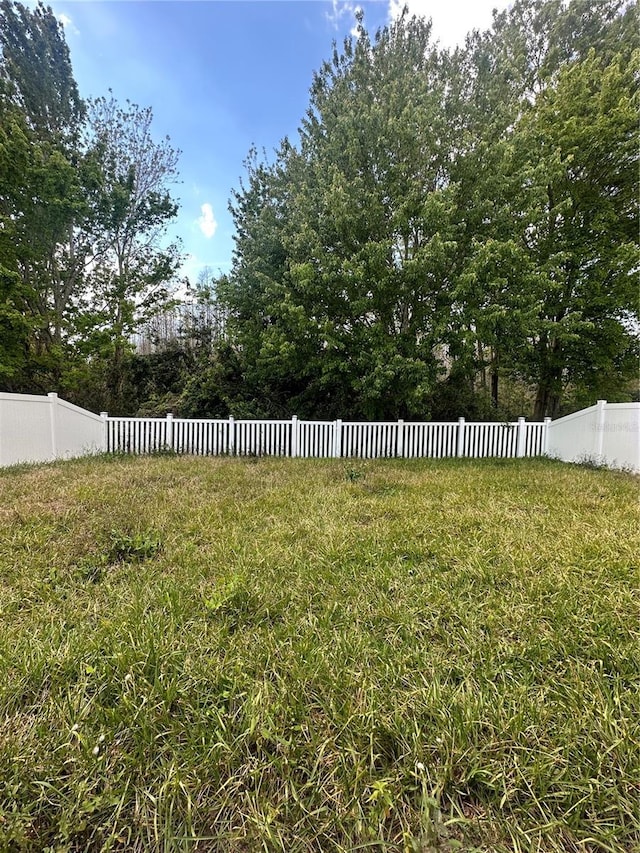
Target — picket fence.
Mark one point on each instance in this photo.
(324, 439)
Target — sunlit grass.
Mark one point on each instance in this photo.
(297, 655)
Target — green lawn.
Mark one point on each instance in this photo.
(302, 655)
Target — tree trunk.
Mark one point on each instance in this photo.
(542, 399)
(549, 393)
(548, 396)
(494, 378)
(483, 370)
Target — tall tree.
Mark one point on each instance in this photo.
(583, 230)
(345, 304)
(130, 207)
(253, 295)
(445, 216)
(40, 190)
(36, 70)
(546, 180)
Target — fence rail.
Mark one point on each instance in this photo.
(324, 439)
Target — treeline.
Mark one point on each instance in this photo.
(454, 233)
(84, 206)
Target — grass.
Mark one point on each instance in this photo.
(300, 655)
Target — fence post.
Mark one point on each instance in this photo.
(53, 417)
(337, 439)
(169, 438)
(231, 445)
(600, 423)
(294, 435)
(460, 447)
(520, 447)
(545, 436)
(105, 433)
(400, 445)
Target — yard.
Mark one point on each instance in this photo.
(301, 655)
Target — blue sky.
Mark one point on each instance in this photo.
(221, 77)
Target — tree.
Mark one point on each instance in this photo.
(84, 205)
(446, 215)
(130, 207)
(36, 71)
(547, 183)
(584, 227)
(40, 190)
(340, 292)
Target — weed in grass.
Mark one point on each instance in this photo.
(132, 548)
(592, 461)
(164, 451)
(231, 602)
(353, 473)
(122, 548)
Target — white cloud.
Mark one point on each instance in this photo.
(341, 9)
(207, 221)
(452, 20)
(68, 24)
(344, 9)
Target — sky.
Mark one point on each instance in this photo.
(222, 76)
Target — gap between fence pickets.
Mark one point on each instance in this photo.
(346, 439)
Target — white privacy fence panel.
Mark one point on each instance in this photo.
(25, 429)
(607, 433)
(620, 435)
(38, 428)
(573, 435)
(77, 431)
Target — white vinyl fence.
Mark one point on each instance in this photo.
(36, 428)
(43, 428)
(325, 438)
(607, 434)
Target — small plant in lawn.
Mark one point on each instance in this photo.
(591, 460)
(165, 451)
(132, 548)
(353, 473)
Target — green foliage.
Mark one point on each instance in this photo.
(553, 241)
(132, 548)
(40, 195)
(353, 473)
(456, 233)
(36, 71)
(447, 218)
(340, 263)
(84, 203)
